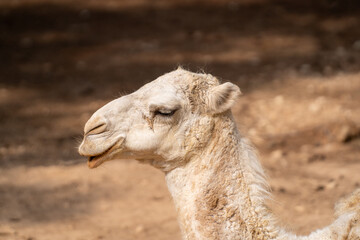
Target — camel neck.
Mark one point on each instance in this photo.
(221, 194)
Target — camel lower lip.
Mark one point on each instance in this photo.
(97, 160)
(94, 162)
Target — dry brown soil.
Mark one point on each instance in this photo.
(297, 63)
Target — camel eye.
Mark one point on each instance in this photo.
(165, 113)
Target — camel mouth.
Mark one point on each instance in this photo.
(97, 160)
(94, 161)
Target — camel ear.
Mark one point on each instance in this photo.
(223, 97)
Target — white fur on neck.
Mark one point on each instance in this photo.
(242, 182)
(246, 215)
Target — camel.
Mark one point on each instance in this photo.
(181, 123)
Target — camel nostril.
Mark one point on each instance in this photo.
(97, 129)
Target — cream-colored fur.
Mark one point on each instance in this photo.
(181, 123)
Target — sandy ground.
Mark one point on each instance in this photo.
(297, 63)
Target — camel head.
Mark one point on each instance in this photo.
(162, 123)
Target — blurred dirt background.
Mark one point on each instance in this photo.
(297, 63)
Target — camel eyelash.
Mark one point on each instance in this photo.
(165, 113)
